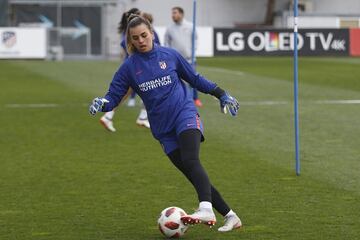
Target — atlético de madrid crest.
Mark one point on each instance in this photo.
(8, 38)
(162, 64)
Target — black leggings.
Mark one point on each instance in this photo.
(186, 159)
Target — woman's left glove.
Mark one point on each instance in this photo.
(230, 103)
(97, 105)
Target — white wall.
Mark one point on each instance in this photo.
(110, 22)
(337, 7)
(315, 22)
(217, 13)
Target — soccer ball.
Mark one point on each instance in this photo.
(170, 223)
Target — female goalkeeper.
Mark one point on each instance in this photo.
(155, 74)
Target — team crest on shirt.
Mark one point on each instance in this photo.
(162, 64)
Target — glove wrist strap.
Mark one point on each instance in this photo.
(217, 92)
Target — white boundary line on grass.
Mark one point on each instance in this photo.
(320, 102)
(32, 105)
(223, 70)
(262, 103)
(338, 102)
(243, 103)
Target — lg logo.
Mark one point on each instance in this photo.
(235, 42)
(257, 41)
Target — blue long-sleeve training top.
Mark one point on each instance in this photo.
(156, 77)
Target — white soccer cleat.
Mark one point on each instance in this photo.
(202, 215)
(144, 122)
(131, 102)
(231, 222)
(107, 123)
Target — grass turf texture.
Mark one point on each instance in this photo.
(62, 176)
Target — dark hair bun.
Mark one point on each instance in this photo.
(132, 16)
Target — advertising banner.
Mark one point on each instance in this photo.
(280, 42)
(355, 42)
(22, 43)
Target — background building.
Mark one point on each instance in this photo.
(89, 27)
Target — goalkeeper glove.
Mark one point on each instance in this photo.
(230, 103)
(97, 105)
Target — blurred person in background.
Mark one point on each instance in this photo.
(179, 36)
(107, 119)
(157, 75)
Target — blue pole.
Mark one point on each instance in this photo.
(193, 35)
(296, 90)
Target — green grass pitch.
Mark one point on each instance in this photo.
(62, 176)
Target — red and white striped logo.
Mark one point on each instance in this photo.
(8, 39)
(162, 64)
